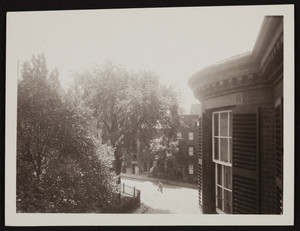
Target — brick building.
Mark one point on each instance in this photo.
(186, 159)
(241, 128)
(140, 163)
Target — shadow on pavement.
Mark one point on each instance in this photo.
(157, 211)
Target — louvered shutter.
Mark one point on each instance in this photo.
(245, 161)
(279, 155)
(200, 162)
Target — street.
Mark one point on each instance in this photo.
(174, 199)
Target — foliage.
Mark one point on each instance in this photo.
(60, 166)
(131, 108)
(164, 149)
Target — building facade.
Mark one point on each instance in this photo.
(186, 159)
(241, 128)
(139, 163)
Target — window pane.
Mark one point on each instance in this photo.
(191, 169)
(227, 177)
(224, 124)
(230, 150)
(219, 174)
(228, 202)
(216, 150)
(219, 198)
(230, 126)
(216, 124)
(224, 149)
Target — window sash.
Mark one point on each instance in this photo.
(191, 169)
(218, 139)
(221, 190)
(191, 151)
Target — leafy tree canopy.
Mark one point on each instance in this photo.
(60, 166)
(131, 108)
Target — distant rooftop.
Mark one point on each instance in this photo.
(195, 109)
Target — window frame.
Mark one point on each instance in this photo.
(191, 135)
(222, 187)
(191, 151)
(223, 164)
(191, 166)
(228, 137)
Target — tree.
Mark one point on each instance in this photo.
(163, 149)
(131, 108)
(104, 95)
(60, 166)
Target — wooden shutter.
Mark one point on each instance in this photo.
(245, 168)
(279, 156)
(200, 162)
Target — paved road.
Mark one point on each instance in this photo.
(174, 199)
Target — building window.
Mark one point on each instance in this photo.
(222, 138)
(191, 169)
(179, 135)
(222, 157)
(145, 166)
(191, 136)
(191, 151)
(223, 188)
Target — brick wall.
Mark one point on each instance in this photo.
(258, 96)
(182, 157)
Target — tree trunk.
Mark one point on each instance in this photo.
(118, 162)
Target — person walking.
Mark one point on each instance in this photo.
(160, 187)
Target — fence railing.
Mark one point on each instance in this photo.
(129, 198)
(129, 190)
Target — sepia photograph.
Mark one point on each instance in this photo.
(150, 116)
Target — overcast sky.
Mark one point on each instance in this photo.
(173, 42)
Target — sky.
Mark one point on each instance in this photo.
(174, 43)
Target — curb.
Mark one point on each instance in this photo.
(141, 209)
(144, 210)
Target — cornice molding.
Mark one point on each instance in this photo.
(242, 72)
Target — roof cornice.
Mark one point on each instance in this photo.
(246, 68)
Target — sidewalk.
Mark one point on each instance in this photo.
(154, 179)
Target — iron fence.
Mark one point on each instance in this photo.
(129, 190)
(128, 197)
